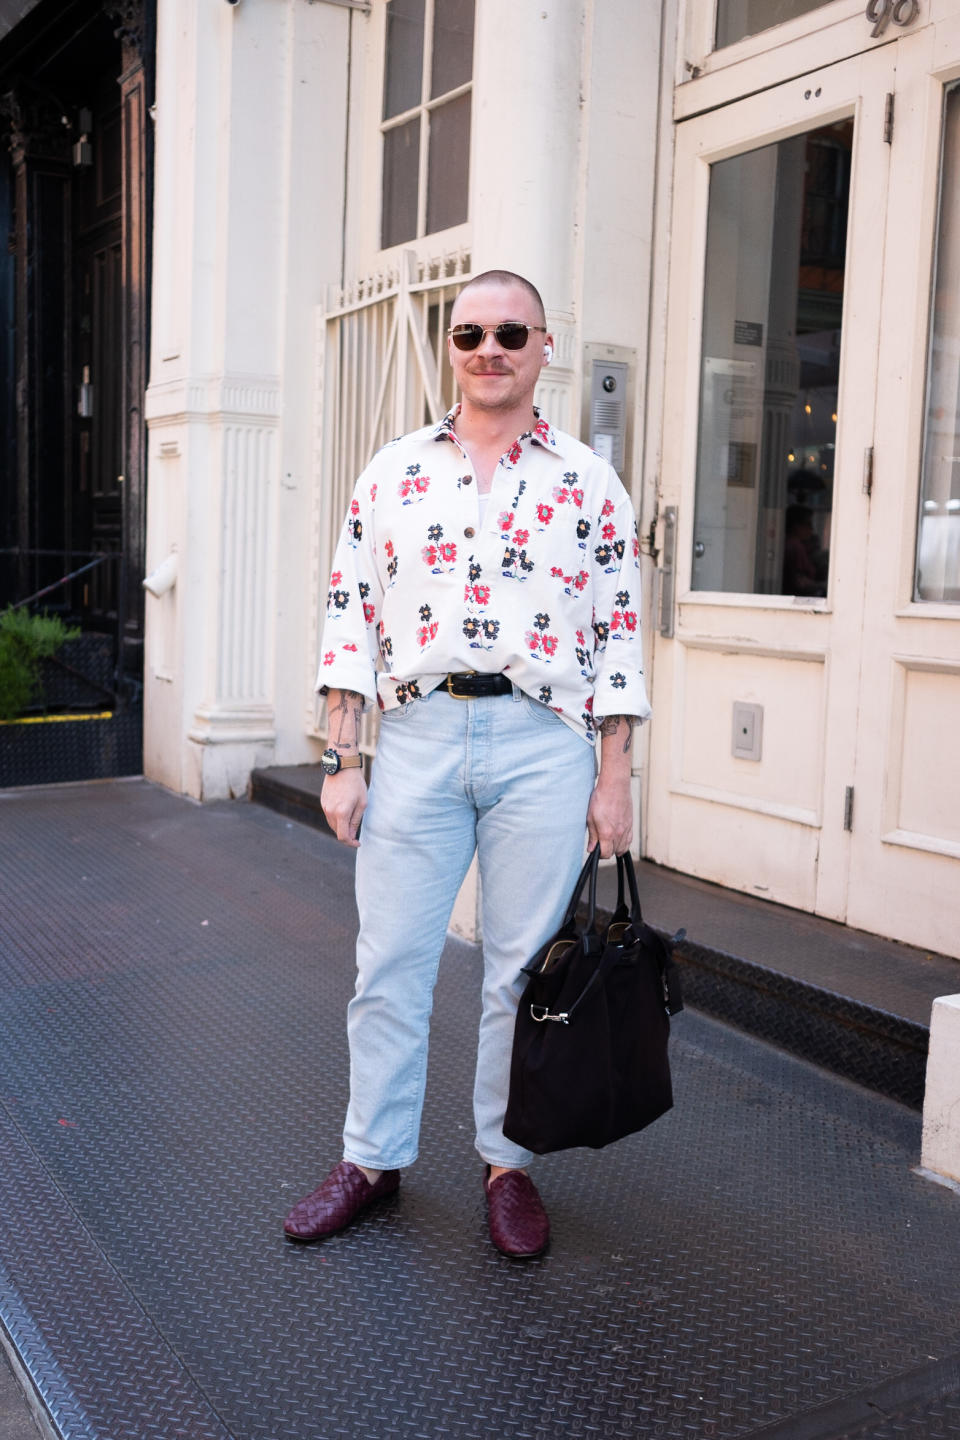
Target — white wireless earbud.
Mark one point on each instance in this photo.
(547, 354)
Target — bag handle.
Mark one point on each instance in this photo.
(587, 874)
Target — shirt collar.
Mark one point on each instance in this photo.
(542, 434)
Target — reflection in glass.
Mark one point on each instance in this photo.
(773, 301)
(739, 18)
(938, 538)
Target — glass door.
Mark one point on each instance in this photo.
(905, 822)
(770, 387)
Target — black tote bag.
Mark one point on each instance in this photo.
(589, 1061)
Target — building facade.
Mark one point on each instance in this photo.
(748, 240)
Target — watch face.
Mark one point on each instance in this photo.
(330, 761)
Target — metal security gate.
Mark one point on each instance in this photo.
(382, 369)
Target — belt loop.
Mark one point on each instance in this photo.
(517, 692)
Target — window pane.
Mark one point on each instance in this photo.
(452, 45)
(403, 63)
(738, 18)
(401, 167)
(773, 300)
(448, 166)
(938, 540)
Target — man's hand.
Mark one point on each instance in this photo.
(610, 812)
(344, 799)
(610, 817)
(344, 795)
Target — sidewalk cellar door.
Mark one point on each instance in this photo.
(806, 735)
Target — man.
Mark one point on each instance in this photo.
(486, 592)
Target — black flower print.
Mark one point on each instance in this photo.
(341, 599)
(386, 647)
(601, 629)
(425, 613)
(525, 565)
(471, 628)
(392, 567)
(408, 691)
(491, 629)
(618, 681)
(541, 621)
(509, 557)
(603, 554)
(623, 598)
(546, 694)
(474, 572)
(619, 546)
(356, 530)
(583, 528)
(435, 532)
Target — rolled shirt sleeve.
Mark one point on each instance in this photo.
(619, 685)
(349, 650)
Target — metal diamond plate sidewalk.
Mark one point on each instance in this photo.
(173, 982)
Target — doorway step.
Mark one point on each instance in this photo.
(852, 1002)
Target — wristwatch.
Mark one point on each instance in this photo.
(332, 763)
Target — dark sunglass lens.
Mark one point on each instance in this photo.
(467, 337)
(511, 335)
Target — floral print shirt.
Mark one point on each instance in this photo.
(545, 589)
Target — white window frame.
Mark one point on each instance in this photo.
(423, 110)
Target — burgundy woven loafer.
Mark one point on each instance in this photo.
(345, 1192)
(518, 1222)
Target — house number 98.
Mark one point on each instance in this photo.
(881, 12)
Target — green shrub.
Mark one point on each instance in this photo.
(25, 640)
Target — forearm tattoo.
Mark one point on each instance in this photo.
(612, 724)
(345, 720)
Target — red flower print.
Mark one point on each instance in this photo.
(514, 453)
(560, 494)
(422, 484)
(608, 507)
(448, 553)
(520, 537)
(636, 548)
(545, 514)
(588, 703)
(368, 613)
(577, 498)
(354, 507)
(542, 429)
(350, 647)
(336, 577)
(549, 644)
(581, 581)
(426, 633)
(608, 531)
(429, 553)
(481, 594)
(556, 572)
(388, 548)
(630, 619)
(373, 493)
(505, 520)
(616, 620)
(329, 658)
(580, 639)
(532, 639)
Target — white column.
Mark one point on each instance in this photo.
(940, 1152)
(229, 288)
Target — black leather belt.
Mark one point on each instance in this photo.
(470, 686)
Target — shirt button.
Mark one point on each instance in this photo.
(469, 532)
(466, 480)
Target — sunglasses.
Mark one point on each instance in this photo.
(510, 334)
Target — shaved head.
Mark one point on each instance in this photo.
(505, 277)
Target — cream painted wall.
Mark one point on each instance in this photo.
(250, 125)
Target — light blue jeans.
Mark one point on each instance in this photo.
(504, 776)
